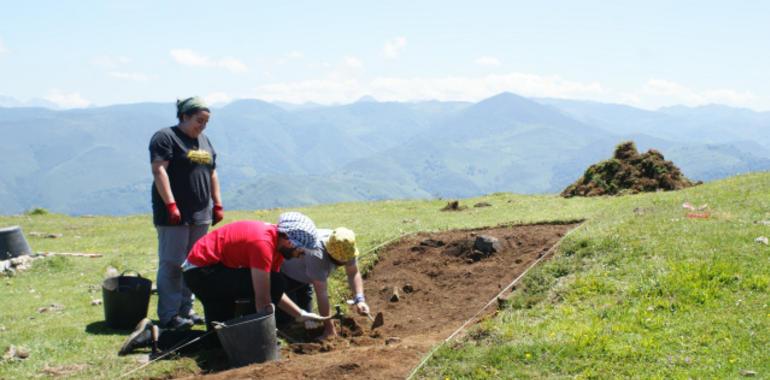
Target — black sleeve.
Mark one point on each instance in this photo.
(213, 154)
(161, 148)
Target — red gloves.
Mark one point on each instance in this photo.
(217, 214)
(174, 216)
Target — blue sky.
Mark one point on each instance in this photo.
(642, 53)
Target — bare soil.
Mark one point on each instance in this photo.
(438, 289)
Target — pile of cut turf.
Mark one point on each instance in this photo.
(629, 172)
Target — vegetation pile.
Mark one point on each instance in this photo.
(629, 172)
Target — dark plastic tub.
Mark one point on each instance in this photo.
(249, 339)
(125, 299)
(13, 243)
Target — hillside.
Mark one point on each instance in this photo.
(638, 290)
(94, 161)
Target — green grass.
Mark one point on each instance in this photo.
(645, 294)
(650, 294)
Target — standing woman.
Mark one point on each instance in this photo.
(185, 186)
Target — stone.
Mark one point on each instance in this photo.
(392, 340)
(487, 245)
(395, 297)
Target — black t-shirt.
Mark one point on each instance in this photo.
(190, 163)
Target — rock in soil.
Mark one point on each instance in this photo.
(432, 243)
(349, 366)
(395, 297)
(392, 340)
(483, 204)
(487, 244)
(379, 320)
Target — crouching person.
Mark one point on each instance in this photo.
(237, 261)
(338, 248)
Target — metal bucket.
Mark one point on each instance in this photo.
(13, 243)
(125, 299)
(249, 339)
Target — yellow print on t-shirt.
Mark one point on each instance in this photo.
(201, 157)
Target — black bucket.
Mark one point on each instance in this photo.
(249, 339)
(13, 243)
(126, 299)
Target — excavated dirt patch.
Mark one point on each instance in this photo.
(426, 287)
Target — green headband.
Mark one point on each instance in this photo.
(193, 103)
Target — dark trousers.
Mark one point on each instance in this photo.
(299, 292)
(218, 287)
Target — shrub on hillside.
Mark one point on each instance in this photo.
(629, 172)
(37, 211)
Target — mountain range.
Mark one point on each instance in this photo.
(95, 160)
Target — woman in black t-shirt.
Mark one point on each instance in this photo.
(185, 186)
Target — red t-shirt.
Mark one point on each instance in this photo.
(245, 244)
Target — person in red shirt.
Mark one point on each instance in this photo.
(238, 260)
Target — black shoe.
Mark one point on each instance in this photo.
(197, 319)
(179, 324)
(140, 337)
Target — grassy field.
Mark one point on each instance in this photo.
(639, 291)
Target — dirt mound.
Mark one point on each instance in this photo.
(629, 172)
(438, 290)
(454, 206)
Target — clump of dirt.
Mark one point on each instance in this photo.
(438, 291)
(454, 206)
(476, 248)
(629, 172)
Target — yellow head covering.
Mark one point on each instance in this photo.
(342, 245)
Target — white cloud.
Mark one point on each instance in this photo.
(336, 89)
(217, 97)
(295, 55)
(325, 91)
(3, 49)
(189, 57)
(392, 48)
(487, 61)
(342, 87)
(477, 88)
(136, 77)
(661, 92)
(66, 100)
